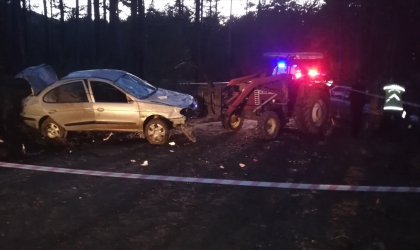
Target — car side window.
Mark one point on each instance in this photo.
(337, 93)
(347, 95)
(68, 93)
(104, 92)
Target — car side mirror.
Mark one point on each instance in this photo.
(129, 100)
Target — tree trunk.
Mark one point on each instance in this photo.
(16, 36)
(61, 7)
(3, 30)
(77, 35)
(141, 40)
(89, 9)
(51, 31)
(196, 54)
(134, 37)
(104, 8)
(25, 31)
(97, 23)
(229, 48)
(113, 4)
(47, 34)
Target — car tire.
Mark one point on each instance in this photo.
(312, 112)
(157, 131)
(232, 123)
(268, 125)
(52, 130)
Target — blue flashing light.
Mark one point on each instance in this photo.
(281, 65)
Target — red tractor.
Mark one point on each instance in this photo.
(296, 89)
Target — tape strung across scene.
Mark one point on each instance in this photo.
(379, 96)
(368, 94)
(215, 181)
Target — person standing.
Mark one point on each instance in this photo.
(394, 113)
(357, 102)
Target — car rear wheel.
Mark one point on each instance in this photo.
(312, 112)
(51, 129)
(157, 131)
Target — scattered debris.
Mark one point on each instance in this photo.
(73, 188)
(145, 163)
(133, 161)
(172, 143)
(1, 141)
(188, 132)
(221, 166)
(171, 151)
(109, 136)
(255, 160)
(70, 151)
(80, 198)
(23, 149)
(241, 165)
(162, 97)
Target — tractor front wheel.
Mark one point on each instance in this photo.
(232, 123)
(268, 125)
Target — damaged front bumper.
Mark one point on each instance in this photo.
(182, 124)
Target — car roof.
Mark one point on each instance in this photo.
(295, 55)
(344, 87)
(107, 74)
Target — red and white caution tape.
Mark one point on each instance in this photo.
(379, 96)
(216, 181)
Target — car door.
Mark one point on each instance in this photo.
(68, 104)
(337, 101)
(114, 110)
(346, 109)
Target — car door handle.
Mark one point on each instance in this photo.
(52, 111)
(100, 109)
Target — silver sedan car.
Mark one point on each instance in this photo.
(103, 100)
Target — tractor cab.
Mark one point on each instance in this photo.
(300, 65)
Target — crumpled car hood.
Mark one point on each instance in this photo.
(39, 77)
(172, 98)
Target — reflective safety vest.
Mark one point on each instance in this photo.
(393, 99)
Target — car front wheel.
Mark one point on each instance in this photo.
(157, 131)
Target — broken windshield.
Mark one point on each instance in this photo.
(135, 86)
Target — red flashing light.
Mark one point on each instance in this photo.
(313, 73)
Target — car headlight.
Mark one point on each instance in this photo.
(193, 105)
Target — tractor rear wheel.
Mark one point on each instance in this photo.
(268, 125)
(312, 112)
(232, 123)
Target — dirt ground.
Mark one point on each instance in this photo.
(41, 210)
